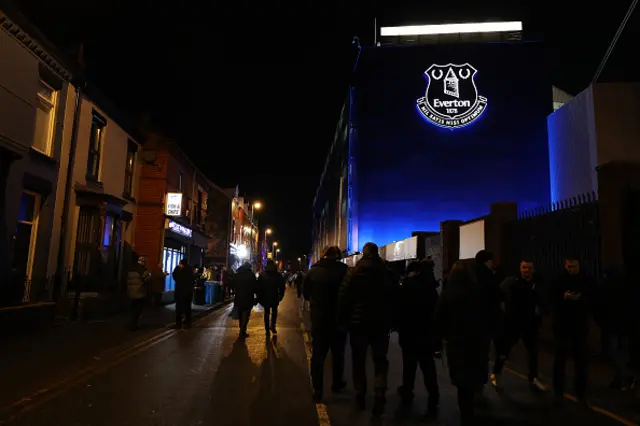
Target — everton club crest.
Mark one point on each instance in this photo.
(451, 99)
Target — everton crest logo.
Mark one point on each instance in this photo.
(451, 99)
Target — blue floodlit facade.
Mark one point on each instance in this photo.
(392, 170)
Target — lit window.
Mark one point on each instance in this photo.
(95, 147)
(45, 118)
(129, 169)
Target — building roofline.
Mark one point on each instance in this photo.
(14, 22)
(24, 31)
(175, 146)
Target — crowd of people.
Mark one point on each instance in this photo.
(476, 308)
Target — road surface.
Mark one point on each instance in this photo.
(207, 376)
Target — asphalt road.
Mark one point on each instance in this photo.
(207, 376)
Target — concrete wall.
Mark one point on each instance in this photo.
(617, 122)
(572, 148)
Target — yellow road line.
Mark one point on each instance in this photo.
(321, 408)
(570, 397)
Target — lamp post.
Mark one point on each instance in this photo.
(254, 206)
(273, 249)
(277, 251)
(267, 231)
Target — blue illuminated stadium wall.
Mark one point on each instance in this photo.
(410, 175)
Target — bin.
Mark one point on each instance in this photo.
(217, 292)
(199, 296)
(209, 294)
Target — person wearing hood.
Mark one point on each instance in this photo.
(321, 285)
(245, 288)
(417, 301)
(463, 324)
(366, 304)
(271, 288)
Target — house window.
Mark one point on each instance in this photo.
(45, 118)
(129, 169)
(25, 237)
(98, 125)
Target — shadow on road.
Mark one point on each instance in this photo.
(284, 391)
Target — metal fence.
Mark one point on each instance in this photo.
(549, 234)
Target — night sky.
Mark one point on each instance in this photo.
(253, 94)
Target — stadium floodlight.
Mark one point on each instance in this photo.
(479, 27)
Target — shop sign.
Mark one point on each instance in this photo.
(179, 229)
(174, 204)
(451, 99)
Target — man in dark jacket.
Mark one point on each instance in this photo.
(271, 288)
(615, 305)
(183, 276)
(487, 278)
(415, 325)
(245, 288)
(524, 305)
(570, 299)
(366, 302)
(462, 322)
(322, 285)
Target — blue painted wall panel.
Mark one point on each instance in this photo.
(411, 175)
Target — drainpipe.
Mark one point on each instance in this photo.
(67, 192)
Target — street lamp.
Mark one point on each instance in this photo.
(256, 206)
(277, 251)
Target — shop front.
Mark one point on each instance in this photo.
(177, 239)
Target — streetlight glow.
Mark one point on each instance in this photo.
(278, 251)
(257, 205)
(275, 243)
(268, 231)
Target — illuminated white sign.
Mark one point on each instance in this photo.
(479, 27)
(451, 99)
(174, 204)
(179, 229)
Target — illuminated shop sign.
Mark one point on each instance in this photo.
(174, 204)
(451, 99)
(179, 229)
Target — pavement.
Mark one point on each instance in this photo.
(208, 376)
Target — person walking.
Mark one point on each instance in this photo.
(524, 306)
(466, 329)
(322, 284)
(614, 309)
(184, 278)
(418, 298)
(271, 288)
(245, 288)
(366, 304)
(138, 279)
(158, 276)
(571, 304)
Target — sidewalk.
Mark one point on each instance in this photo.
(600, 376)
(31, 363)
